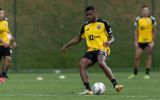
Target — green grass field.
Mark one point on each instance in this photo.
(24, 86)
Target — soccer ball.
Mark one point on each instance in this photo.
(98, 88)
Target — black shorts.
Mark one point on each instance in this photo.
(5, 51)
(93, 55)
(143, 45)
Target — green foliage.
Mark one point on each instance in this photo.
(43, 26)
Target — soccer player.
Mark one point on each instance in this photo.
(5, 44)
(144, 40)
(98, 36)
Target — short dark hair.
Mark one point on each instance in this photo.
(1, 9)
(89, 8)
(144, 6)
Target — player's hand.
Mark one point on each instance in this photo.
(106, 44)
(5, 44)
(151, 44)
(136, 44)
(14, 45)
(63, 49)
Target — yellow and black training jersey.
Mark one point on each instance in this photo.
(95, 34)
(4, 31)
(145, 27)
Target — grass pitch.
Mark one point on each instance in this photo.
(24, 86)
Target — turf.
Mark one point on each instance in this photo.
(24, 86)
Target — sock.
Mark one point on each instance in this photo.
(87, 86)
(114, 82)
(4, 74)
(135, 71)
(147, 71)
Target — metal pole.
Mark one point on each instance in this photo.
(153, 14)
(14, 32)
(153, 7)
(85, 5)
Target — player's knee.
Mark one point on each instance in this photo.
(137, 56)
(82, 64)
(101, 63)
(8, 60)
(149, 52)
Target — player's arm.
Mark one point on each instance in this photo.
(111, 40)
(4, 43)
(136, 37)
(12, 40)
(72, 42)
(1, 40)
(153, 36)
(110, 34)
(153, 32)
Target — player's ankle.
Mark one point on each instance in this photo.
(4, 74)
(87, 86)
(114, 82)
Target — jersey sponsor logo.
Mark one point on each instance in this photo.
(143, 28)
(92, 37)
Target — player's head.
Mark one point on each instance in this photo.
(2, 14)
(145, 11)
(91, 13)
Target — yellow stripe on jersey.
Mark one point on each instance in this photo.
(145, 28)
(95, 34)
(4, 31)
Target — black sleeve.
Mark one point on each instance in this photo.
(136, 21)
(6, 19)
(153, 21)
(82, 30)
(107, 27)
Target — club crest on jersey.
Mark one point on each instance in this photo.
(98, 27)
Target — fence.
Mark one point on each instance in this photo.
(41, 27)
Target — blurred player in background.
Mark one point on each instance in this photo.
(144, 40)
(6, 42)
(98, 36)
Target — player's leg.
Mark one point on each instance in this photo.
(2, 53)
(137, 58)
(7, 61)
(6, 65)
(1, 49)
(84, 64)
(148, 62)
(102, 63)
(2, 80)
